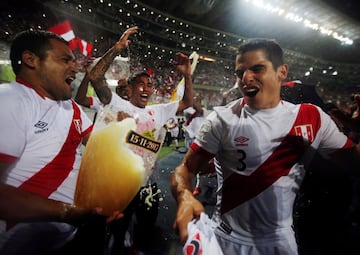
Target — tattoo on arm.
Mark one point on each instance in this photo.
(98, 75)
(102, 91)
(104, 63)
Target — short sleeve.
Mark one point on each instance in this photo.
(14, 116)
(209, 135)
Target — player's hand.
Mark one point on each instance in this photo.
(124, 40)
(189, 208)
(122, 115)
(77, 215)
(183, 64)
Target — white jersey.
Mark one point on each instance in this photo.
(259, 156)
(192, 125)
(173, 127)
(194, 122)
(42, 139)
(152, 117)
(95, 103)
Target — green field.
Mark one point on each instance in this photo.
(167, 150)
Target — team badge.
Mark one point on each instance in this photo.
(305, 131)
(77, 124)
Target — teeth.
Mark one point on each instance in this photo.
(251, 90)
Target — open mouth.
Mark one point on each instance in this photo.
(144, 96)
(69, 80)
(251, 92)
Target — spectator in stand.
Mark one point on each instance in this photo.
(355, 115)
(348, 123)
(259, 168)
(41, 133)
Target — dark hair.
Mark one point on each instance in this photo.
(36, 41)
(132, 79)
(272, 49)
(119, 88)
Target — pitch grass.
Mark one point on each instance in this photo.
(166, 150)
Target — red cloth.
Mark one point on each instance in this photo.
(65, 30)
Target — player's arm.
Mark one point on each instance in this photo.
(81, 97)
(20, 206)
(184, 66)
(97, 74)
(182, 189)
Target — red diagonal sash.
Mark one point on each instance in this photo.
(239, 188)
(50, 177)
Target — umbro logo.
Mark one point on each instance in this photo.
(241, 141)
(42, 126)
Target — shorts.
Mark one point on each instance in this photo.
(230, 245)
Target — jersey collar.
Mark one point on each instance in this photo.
(26, 84)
